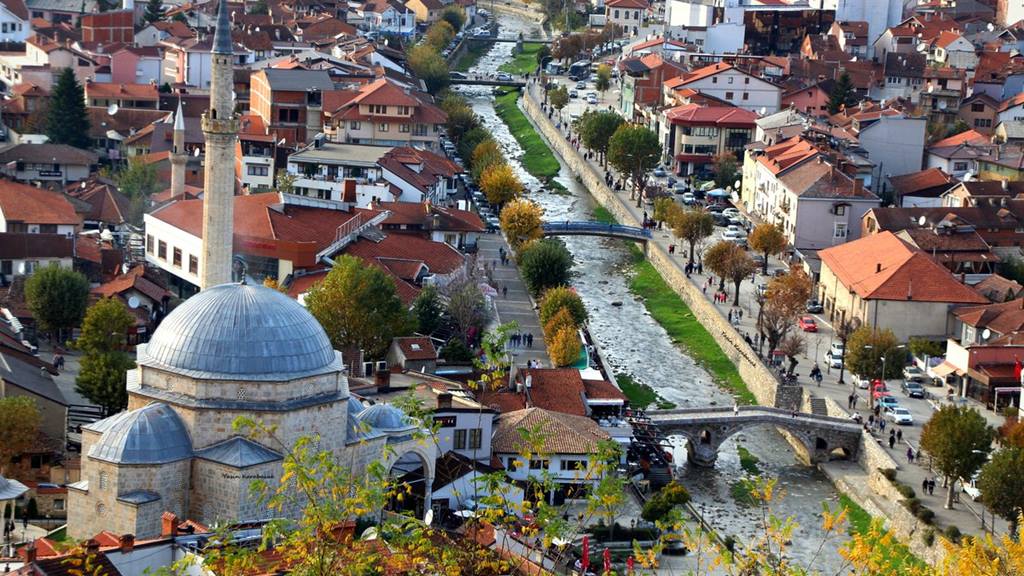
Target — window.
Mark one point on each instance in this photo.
(103, 480)
(6, 267)
(731, 79)
(404, 128)
(959, 166)
(746, 95)
(378, 109)
(384, 127)
(176, 257)
(419, 130)
(149, 243)
(616, 13)
(354, 125)
(573, 465)
(258, 170)
(161, 251)
(58, 503)
(3, 28)
(840, 230)
(539, 464)
(475, 437)
(636, 15)
(403, 110)
(982, 122)
(839, 210)
(746, 79)
(977, 107)
(714, 79)
(460, 439)
(193, 265)
(728, 95)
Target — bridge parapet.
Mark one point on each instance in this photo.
(569, 228)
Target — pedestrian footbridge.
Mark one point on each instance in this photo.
(568, 228)
(706, 429)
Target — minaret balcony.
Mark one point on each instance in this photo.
(220, 125)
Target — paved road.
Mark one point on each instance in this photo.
(817, 346)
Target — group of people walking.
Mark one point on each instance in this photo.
(521, 340)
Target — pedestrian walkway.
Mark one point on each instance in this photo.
(817, 345)
(512, 303)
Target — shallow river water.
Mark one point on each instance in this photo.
(634, 343)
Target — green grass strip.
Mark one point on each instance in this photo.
(748, 461)
(524, 62)
(603, 215)
(537, 159)
(641, 395)
(471, 56)
(900, 559)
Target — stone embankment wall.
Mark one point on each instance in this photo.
(518, 9)
(761, 382)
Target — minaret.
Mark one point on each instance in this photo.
(220, 129)
(178, 156)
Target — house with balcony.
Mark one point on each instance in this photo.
(693, 135)
(388, 17)
(332, 171)
(419, 175)
(290, 101)
(257, 151)
(734, 86)
(37, 227)
(982, 352)
(383, 113)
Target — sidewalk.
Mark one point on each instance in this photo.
(817, 345)
(516, 305)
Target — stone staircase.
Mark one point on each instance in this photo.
(819, 407)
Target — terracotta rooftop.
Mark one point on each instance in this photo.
(416, 348)
(724, 116)
(23, 203)
(113, 90)
(563, 433)
(916, 183)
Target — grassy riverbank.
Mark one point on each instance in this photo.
(471, 56)
(641, 395)
(524, 62)
(902, 560)
(537, 158)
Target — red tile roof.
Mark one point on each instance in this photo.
(787, 153)
(106, 203)
(556, 389)
(705, 72)
(22, 203)
(1001, 318)
(134, 279)
(639, 4)
(416, 348)
(907, 184)
(421, 214)
(602, 390)
(112, 90)
(724, 116)
(883, 267)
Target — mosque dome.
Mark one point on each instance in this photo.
(385, 417)
(355, 406)
(153, 434)
(240, 332)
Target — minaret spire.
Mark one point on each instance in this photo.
(220, 129)
(178, 155)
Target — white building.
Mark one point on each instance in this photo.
(727, 83)
(628, 14)
(879, 14)
(894, 142)
(14, 21)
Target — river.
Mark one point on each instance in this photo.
(634, 343)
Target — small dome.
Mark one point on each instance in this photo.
(385, 417)
(153, 434)
(237, 331)
(354, 406)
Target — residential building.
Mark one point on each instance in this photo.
(116, 26)
(813, 99)
(958, 155)
(389, 17)
(385, 114)
(958, 248)
(1003, 163)
(100, 205)
(47, 163)
(257, 153)
(136, 65)
(641, 84)
(999, 289)
(125, 96)
(411, 261)
(189, 60)
(978, 111)
(627, 14)
(171, 31)
(894, 142)
(419, 175)
(877, 14)
(852, 36)
(883, 281)
(61, 11)
(729, 84)
(331, 171)
(693, 135)
(22, 374)
(417, 354)
(980, 193)
(290, 101)
(37, 227)
(951, 49)
(427, 11)
(998, 225)
(921, 189)
(22, 253)
(459, 485)
(458, 228)
(14, 21)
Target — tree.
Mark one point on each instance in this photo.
(726, 169)
(138, 181)
(790, 291)
(924, 348)
(19, 425)
(57, 298)
(603, 81)
(634, 150)
(461, 118)
(865, 349)
(486, 154)
(427, 310)
(663, 501)
(564, 347)
(545, 264)
(558, 97)
(958, 439)
(154, 11)
(842, 94)
(543, 54)
(716, 259)
(596, 130)
(562, 319)
(767, 239)
(285, 181)
(358, 306)
(666, 210)
(562, 297)
(67, 120)
(472, 138)
(428, 66)
(729, 261)
(1002, 485)
(467, 308)
(693, 226)
(439, 35)
(500, 184)
(105, 327)
(792, 346)
(102, 379)
(521, 223)
(455, 16)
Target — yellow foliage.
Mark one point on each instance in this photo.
(521, 222)
(564, 348)
(500, 184)
(561, 320)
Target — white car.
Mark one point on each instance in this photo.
(591, 99)
(835, 361)
(836, 349)
(899, 415)
(731, 212)
(735, 236)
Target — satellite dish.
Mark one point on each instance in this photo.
(112, 109)
(428, 518)
(106, 235)
(922, 220)
(854, 59)
(985, 334)
(133, 302)
(931, 88)
(942, 104)
(922, 47)
(991, 27)
(762, 111)
(196, 152)
(968, 175)
(369, 534)
(736, 185)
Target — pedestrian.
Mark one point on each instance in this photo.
(735, 409)
(705, 289)
(910, 454)
(855, 401)
(924, 486)
(881, 424)
(700, 267)
(729, 317)
(849, 400)
(504, 291)
(892, 441)
(878, 410)
(899, 435)
(740, 312)
(931, 487)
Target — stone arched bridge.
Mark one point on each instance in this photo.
(707, 428)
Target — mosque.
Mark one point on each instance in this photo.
(233, 350)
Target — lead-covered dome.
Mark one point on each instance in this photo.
(240, 332)
(385, 417)
(153, 434)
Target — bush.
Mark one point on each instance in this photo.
(559, 297)
(663, 501)
(889, 473)
(545, 264)
(926, 515)
(953, 534)
(912, 504)
(928, 537)
(455, 350)
(906, 491)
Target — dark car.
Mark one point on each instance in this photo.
(814, 307)
(912, 389)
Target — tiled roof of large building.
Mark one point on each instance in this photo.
(711, 115)
(562, 433)
(23, 203)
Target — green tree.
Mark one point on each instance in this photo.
(461, 118)
(958, 440)
(102, 379)
(558, 97)
(67, 120)
(358, 306)
(154, 11)
(603, 81)
(634, 151)
(842, 94)
(486, 154)
(19, 427)
(729, 261)
(1002, 485)
(57, 298)
(923, 347)
(607, 497)
(768, 240)
(693, 226)
(562, 297)
(469, 140)
(596, 130)
(285, 181)
(543, 53)
(428, 65)
(455, 16)
(138, 181)
(865, 349)
(545, 264)
(439, 35)
(663, 501)
(726, 169)
(427, 310)
(105, 327)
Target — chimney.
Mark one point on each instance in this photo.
(92, 547)
(30, 552)
(858, 186)
(168, 525)
(910, 289)
(382, 378)
(878, 267)
(444, 400)
(127, 543)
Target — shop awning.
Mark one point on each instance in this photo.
(945, 369)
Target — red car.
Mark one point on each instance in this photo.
(807, 324)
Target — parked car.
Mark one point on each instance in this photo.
(836, 349)
(717, 208)
(913, 373)
(880, 393)
(807, 324)
(731, 212)
(835, 361)
(899, 415)
(814, 307)
(688, 198)
(659, 172)
(574, 94)
(591, 99)
(757, 259)
(457, 76)
(719, 219)
(862, 383)
(887, 402)
(912, 389)
(581, 85)
(739, 238)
